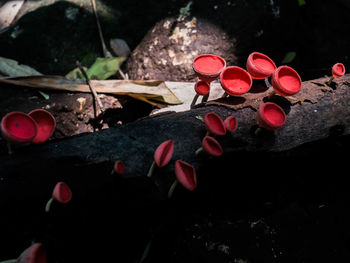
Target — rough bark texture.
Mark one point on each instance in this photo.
(135, 143)
(257, 189)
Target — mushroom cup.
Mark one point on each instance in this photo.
(18, 128)
(271, 116)
(286, 81)
(235, 81)
(46, 125)
(260, 66)
(208, 67)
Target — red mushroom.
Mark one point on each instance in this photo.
(210, 146)
(46, 125)
(235, 81)
(162, 155)
(61, 193)
(33, 254)
(271, 116)
(260, 66)
(202, 88)
(231, 123)
(214, 124)
(208, 67)
(18, 128)
(186, 175)
(118, 167)
(286, 81)
(338, 70)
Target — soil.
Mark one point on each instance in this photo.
(295, 213)
(74, 112)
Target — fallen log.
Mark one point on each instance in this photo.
(254, 170)
(318, 112)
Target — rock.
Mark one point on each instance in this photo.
(168, 49)
(120, 47)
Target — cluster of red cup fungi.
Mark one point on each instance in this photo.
(184, 172)
(20, 128)
(38, 126)
(236, 81)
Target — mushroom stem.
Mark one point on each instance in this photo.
(194, 100)
(151, 169)
(267, 83)
(199, 150)
(48, 205)
(9, 148)
(257, 131)
(205, 97)
(172, 188)
(330, 81)
(9, 261)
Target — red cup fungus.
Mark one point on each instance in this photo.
(33, 254)
(186, 175)
(260, 66)
(208, 67)
(230, 123)
(286, 81)
(271, 116)
(61, 193)
(162, 155)
(210, 146)
(235, 81)
(214, 124)
(338, 70)
(118, 167)
(46, 125)
(18, 128)
(202, 88)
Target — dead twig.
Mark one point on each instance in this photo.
(94, 93)
(106, 53)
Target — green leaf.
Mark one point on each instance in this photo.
(289, 57)
(103, 68)
(76, 74)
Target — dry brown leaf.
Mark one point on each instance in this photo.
(154, 92)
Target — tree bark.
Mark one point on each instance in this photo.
(320, 112)
(276, 168)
